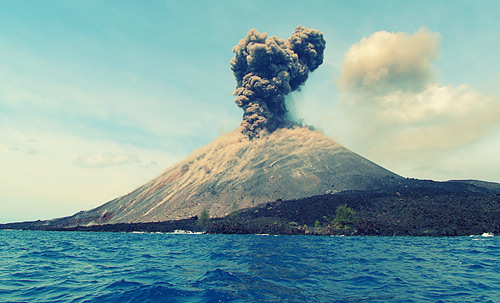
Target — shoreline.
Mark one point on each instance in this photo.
(410, 208)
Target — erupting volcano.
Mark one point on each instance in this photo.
(270, 158)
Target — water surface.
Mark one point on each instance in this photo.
(39, 266)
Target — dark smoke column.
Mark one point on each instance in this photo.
(267, 69)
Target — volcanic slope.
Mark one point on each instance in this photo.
(234, 172)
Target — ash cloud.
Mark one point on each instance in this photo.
(267, 69)
(390, 61)
(397, 110)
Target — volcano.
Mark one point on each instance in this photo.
(271, 158)
(234, 172)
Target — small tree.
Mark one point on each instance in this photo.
(203, 218)
(234, 210)
(345, 217)
(234, 207)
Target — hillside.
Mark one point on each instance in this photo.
(407, 208)
(234, 172)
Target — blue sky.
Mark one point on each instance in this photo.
(98, 97)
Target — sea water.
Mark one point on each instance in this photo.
(37, 266)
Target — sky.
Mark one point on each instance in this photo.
(99, 97)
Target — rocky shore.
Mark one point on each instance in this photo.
(409, 208)
(413, 208)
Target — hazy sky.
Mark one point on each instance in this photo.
(98, 97)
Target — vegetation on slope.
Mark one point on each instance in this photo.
(410, 208)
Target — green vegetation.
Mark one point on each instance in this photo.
(345, 217)
(234, 210)
(203, 218)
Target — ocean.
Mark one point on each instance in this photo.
(40, 266)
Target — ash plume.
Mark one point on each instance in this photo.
(267, 69)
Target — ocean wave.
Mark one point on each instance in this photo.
(120, 267)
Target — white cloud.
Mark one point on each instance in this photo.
(390, 61)
(107, 100)
(440, 117)
(106, 159)
(392, 111)
(49, 184)
(127, 131)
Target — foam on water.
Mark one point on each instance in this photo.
(120, 267)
